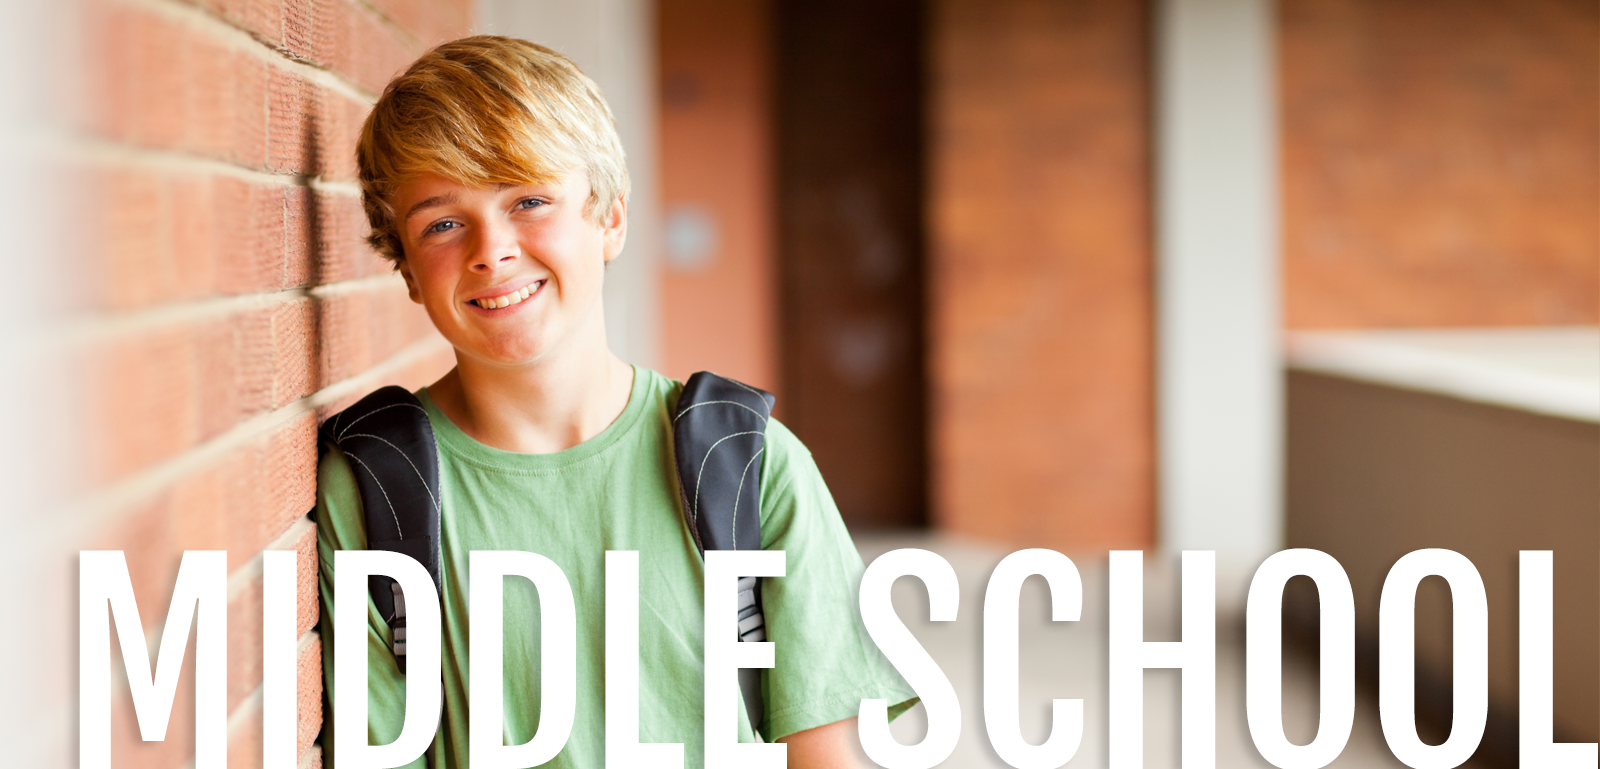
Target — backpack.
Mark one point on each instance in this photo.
(718, 434)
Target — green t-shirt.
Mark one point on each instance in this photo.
(618, 491)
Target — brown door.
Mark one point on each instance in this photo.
(849, 157)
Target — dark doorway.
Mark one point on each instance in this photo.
(849, 162)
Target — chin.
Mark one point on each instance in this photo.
(513, 353)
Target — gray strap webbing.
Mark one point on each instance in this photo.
(718, 439)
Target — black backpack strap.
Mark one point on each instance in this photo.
(719, 435)
(389, 443)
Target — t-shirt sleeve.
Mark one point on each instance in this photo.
(341, 526)
(825, 661)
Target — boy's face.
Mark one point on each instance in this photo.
(507, 274)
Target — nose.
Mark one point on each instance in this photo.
(497, 247)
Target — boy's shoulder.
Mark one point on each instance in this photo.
(785, 457)
(783, 448)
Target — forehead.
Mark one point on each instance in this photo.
(432, 184)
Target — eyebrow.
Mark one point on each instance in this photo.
(436, 200)
(445, 200)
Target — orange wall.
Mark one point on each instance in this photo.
(1040, 332)
(1441, 162)
(715, 156)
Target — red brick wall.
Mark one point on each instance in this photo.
(715, 153)
(1039, 282)
(1441, 162)
(229, 302)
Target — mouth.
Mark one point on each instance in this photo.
(509, 298)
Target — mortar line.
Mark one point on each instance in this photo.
(99, 325)
(252, 704)
(246, 41)
(76, 146)
(242, 577)
(394, 26)
(92, 512)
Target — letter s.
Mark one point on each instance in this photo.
(908, 656)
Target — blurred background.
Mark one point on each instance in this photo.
(1233, 275)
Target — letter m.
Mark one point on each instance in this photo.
(202, 589)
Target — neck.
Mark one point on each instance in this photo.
(551, 404)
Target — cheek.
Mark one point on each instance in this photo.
(434, 274)
(574, 254)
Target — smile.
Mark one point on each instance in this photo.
(506, 300)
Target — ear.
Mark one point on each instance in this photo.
(411, 283)
(614, 228)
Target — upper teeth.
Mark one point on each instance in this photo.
(507, 299)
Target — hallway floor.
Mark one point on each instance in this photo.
(1068, 660)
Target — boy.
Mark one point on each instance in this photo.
(492, 176)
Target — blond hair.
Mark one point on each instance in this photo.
(482, 111)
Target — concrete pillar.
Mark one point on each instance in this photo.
(1219, 381)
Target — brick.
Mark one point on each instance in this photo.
(290, 467)
(163, 83)
(159, 82)
(131, 243)
(310, 129)
(294, 361)
(167, 236)
(244, 745)
(1439, 164)
(1039, 330)
(140, 411)
(128, 748)
(254, 239)
(221, 359)
(361, 329)
(424, 371)
(240, 474)
(245, 643)
(368, 50)
(301, 220)
(342, 250)
(307, 28)
(158, 391)
(346, 38)
(264, 498)
(430, 22)
(145, 536)
(195, 242)
(261, 18)
(306, 582)
(245, 629)
(310, 691)
(239, 502)
(244, 740)
(344, 349)
(172, 234)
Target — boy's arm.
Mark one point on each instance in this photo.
(826, 662)
(341, 526)
(833, 746)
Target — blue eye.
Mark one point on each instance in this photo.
(438, 227)
(528, 203)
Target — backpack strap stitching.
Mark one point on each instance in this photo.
(402, 454)
(701, 477)
(737, 494)
(710, 403)
(380, 488)
(376, 410)
(753, 390)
